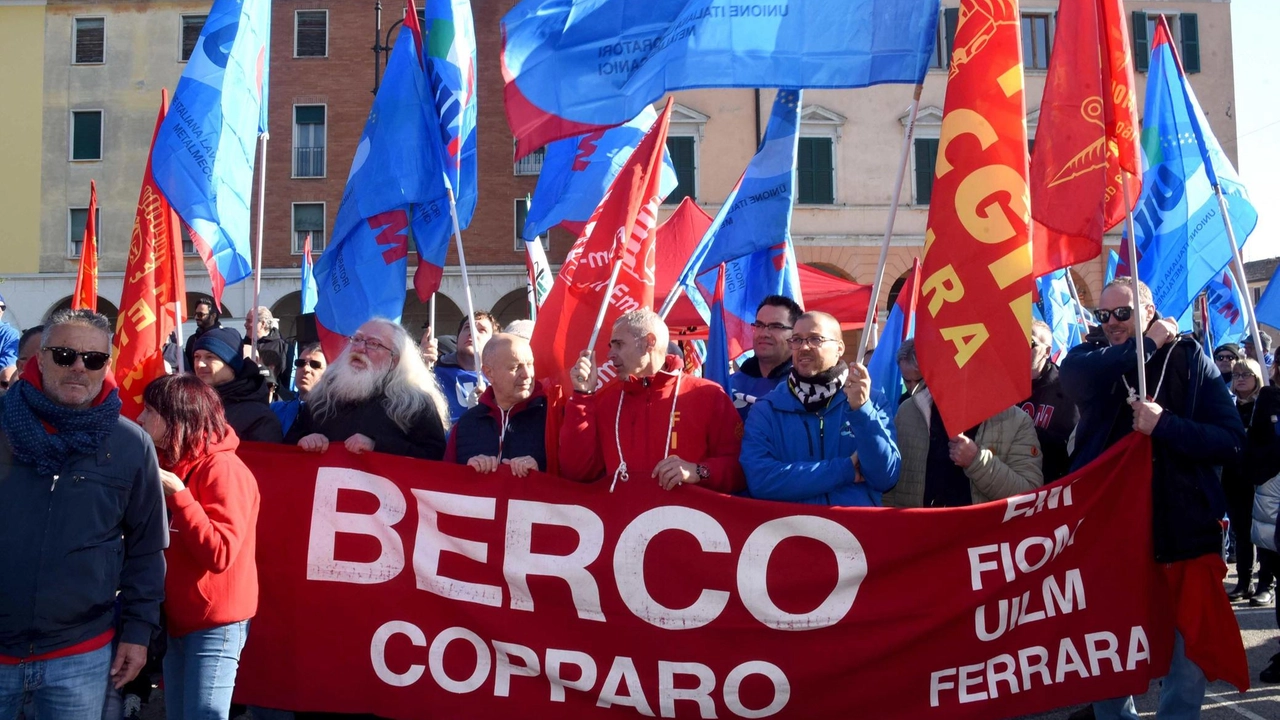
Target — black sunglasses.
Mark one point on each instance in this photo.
(1226, 357)
(315, 364)
(66, 357)
(1122, 314)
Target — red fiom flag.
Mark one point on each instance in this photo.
(152, 281)
(622, 226)
(86, 294)
(972, 336)
(1087, 138)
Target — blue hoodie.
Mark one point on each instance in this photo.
(789, 453)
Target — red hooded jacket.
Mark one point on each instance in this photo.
(212, 577)
(706, 429)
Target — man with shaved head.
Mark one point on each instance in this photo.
(655, 425)
(819, 438)
(508, 424)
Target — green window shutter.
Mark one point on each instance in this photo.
(1190, 42)
(309, 114)
(684, 158)
(86, 136)
(951, 19)
(926, 161)
(1141, 44)
(815, 182)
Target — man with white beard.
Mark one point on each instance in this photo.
(377, 395)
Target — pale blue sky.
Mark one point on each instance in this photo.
(1253, 27)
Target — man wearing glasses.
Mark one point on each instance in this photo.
(307, 371)
(819, 438)
(1225, 357)
(82, 527)
(770, 362)
(1195, 429)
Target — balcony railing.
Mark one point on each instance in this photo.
(308, 162)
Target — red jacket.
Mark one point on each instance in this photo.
(212, 577)
(706, 431)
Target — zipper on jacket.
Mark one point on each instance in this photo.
(54, 484)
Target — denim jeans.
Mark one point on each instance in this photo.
(200, 672)
(67, 688)
(1181, 692)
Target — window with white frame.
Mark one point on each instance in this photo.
(1184, 31)
(311, 33)
(683, 136)
(308, 219)
(76, 219)
(820, 133)
(1037, 39)
(522, 216)
(309, 141)
(191, 27)
(89, 41)
(86, 135)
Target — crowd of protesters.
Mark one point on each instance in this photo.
(122, 542)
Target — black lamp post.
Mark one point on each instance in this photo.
(381, 43)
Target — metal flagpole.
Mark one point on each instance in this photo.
(1242, 282)
(1137, 303)
(888, 226)
(177, 329)
(466, 289)
(257, 269)
(1075, 297)
(604, 306)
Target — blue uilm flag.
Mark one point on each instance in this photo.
(1182, 240)
(450, 53)
(577, 171)
(308, 294)
(1059, 312)
(204, 151)
(748, 280)
(757, 214)
(900, 326)
(1268, 306)
(1227, 322)
(574, 66)
(397, 178)
(1113, 262)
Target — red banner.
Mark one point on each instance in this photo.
(85, 296)
(153, 284)
(390, 585)
(972, 338)
(1088, 136)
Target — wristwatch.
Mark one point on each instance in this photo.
(702, 472)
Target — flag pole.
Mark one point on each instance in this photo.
(257, 269)
(903, 159)
(1242, 282)
(604, 305)
(177, 332)
(1137, 303)
(466, 289)
(1075, 297)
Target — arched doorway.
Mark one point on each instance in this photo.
(833, 270)
(512, 306)
(286, 310)
(417, 314)
(105, 307)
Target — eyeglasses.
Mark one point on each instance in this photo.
(1238, 375)
(771, 327)
(369, 343)
(1225, 357)
(1122, 314)
(814, 342)
(315, 364)
(66, 357)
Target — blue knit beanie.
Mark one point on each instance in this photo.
(223, 342)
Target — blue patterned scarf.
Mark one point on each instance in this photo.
(79, 432)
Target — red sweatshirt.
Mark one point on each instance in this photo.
(212, 577)
(706, 431)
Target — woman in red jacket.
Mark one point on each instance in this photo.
(211, 587)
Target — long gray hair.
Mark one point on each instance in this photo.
(407, 389)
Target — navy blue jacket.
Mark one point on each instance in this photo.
(792, 454)
(748, 385)
(1198, 432)
(67, 544)
(480, 430)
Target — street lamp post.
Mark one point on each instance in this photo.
(381, 43)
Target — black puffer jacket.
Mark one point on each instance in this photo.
(246, 400)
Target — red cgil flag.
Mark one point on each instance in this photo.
(86, 294)
(975, 294)
(152, 282)
(1087, 135)
(622, 226)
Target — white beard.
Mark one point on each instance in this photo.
(346, 384)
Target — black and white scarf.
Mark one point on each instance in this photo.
(814, 393)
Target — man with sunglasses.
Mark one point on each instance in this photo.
(307, 371)
(82, 528)
(820, 438)
(1195, 429)
(205, 313)
(770, 362)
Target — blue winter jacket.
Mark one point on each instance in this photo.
(791, 454)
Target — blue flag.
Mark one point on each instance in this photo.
(900, 326)
(1058, 310)
(1113, 262)
(204, 151)
(716, 368)
(574, 66)
(1227, 321)
(308, 294)
(1268, 306)
(757, 214)
(577, 171)
(450, 53)
(396, 180)
(1181, 238)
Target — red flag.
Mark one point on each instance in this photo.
(152, 281)
(86, 294)
(972, 335)
(622, 227)
(1088, 135)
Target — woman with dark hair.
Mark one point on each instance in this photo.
(211, 587)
